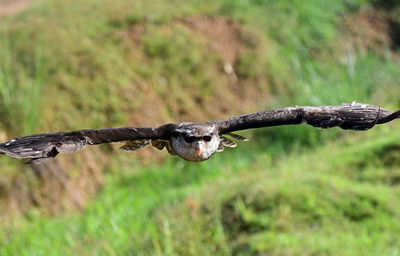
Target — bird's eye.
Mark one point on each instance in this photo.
(207, 138)
(189, 139)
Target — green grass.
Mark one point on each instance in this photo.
(20, 86)
(309, 203)
(290, 191)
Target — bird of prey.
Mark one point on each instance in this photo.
(197, 141)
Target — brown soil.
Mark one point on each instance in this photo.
(10, 7)
(224, 35)
(226, 40)
(369, 29)
(55, 186)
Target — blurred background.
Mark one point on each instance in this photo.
(69, 64)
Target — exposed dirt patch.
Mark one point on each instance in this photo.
(368, 29)
(228, 41)
(54, 186)
(135, 32)
(224, 35)
(10, 7)
(373, 29)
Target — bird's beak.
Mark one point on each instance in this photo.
(199, 149)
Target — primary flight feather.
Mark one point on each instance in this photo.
(196, 141)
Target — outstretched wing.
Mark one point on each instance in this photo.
(40, 147)
(353, 116)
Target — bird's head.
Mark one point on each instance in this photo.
(195, 142)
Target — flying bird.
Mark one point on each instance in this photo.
(197, 141)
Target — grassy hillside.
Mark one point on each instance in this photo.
(290, 191)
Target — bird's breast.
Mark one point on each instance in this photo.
(186, 151)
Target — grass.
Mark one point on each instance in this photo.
(310, 203)
(291, 191)
(313, 203)
(20, 86)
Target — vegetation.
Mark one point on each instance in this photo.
(290, 191)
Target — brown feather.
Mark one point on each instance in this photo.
(159, 144)
(227, 142)
(237, 136)
(132, 145)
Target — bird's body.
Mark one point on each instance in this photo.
(191, 141)
(196, 141)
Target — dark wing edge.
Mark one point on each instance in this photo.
(354, 116)
(40, 147)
